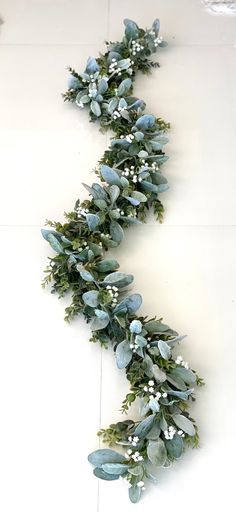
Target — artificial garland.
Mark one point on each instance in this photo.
(130, 182)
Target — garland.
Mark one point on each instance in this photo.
(130, 182)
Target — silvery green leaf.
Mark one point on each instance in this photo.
(118, 279)
(145, 122)
(163, 44)
(99, 473)
(91, 66)
(114, 193)
(175, 340)
(154, 432)
(142, 154)
(99, 323)
(133, 201)
(176, 381)
(156, 452)
(124, 182)
(91, 298)
(46, 232)
(157, 146)
(143, 407)
(158, 374)
(131, 29)
(139, 136)
(137, 104)
(99, 98)
(186, 375)
(139, 196)
(55, 244)
(144, 426)
(107, 265)
(158, 178)
(147, 365)
(134, 494)
(116, 232)
(136, 470)
(123, 64)
(184, 424)
(151, 477)
(73, 82)
(163, 424)
(95, 107)
(135, 326)
(162, 139)
(154, 326)
(156, 26)
(164, 348)
(163, 187)
(97, 249)
(100, 457)
(140, 340)
(86, 276)
(92, 220)
(103, 315)
(102, 86)
(114, 214)
(114, 468)
(113, 55)
(132, 303)
(100, 203)
(174, 447)
(123, 354)
(96, 191)
(110, 175)
(147, 185)
(112, 105)
(124, 86)
(85, 99)
(122, 103)
(154, 405)
(183, 395)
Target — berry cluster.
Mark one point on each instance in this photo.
(113, 292)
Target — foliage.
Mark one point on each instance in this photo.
(130, 181)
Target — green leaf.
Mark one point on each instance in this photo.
(176, 381)
(124, 87)
(114, 468)
(86, 276)
(99, 323)
(91, 298)
(99, 473)
(55, 244)
(174, 447)
(100, 457)
(156, 452)
(158, 374)
(123, 354)
(186, 375)
(131, 29)
(132, 303)
(118, 279)
(110, 175)
(114, 193)
(116, 232)
(164, 348)
(184, 424)
(95, 107)
(107, 265)
(92, 220)
(139, 196)
(155, 326)
(134, 494)
(144, 426)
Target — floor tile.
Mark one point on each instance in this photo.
(195, 91)
(46, 22)
(185, 275)
(48, 374)
(182, 21)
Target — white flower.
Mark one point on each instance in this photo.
(151, 390)
(140, 483)
(145, 388)
(158, 395)
(164, 395)
(151, 382)
(130, 438)
(135, 439)
(129, 451)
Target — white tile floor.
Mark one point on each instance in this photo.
(48, 424)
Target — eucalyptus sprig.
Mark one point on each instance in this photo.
(130, 181)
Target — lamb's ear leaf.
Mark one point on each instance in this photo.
(99, 473)
(123, 354)
(99, 457)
